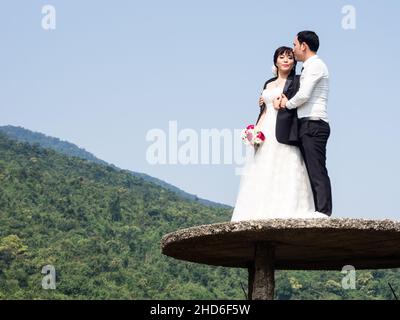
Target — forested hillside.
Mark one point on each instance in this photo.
(70, 149)
(101, 228)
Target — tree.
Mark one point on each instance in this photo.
(115, 208)
(10, 248)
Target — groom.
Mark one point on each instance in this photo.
(313, 125)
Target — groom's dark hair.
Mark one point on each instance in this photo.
(309, 37)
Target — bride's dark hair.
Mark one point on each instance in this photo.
(285, 50)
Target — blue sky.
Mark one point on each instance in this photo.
(113, 70)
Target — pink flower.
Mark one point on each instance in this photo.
(261, 135)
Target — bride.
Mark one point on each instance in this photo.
(275, 182)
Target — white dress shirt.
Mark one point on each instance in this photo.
(312, 97)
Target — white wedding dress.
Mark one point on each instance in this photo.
(274, 181)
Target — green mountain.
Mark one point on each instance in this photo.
(70, 149)
(101, 227)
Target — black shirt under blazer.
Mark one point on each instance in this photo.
(286, 122)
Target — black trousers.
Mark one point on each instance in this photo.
(313, 136)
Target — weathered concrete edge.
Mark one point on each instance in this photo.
(280, 224)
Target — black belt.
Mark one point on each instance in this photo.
(310, 118)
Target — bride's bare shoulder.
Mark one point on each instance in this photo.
(270, 85)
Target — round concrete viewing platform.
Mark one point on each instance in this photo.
(262, 246)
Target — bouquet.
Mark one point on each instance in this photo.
(252, 135)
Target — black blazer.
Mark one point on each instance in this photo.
(286, 121)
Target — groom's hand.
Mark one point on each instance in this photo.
(283, 101)
(277, 102)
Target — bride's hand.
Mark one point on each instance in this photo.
(283, 101)
(277, 102)
(261, 101)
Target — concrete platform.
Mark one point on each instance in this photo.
(288, 244)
